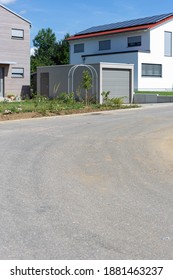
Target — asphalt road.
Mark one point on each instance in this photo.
(97, 186)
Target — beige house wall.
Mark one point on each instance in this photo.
(14, 52)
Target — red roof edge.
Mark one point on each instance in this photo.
(115, 31)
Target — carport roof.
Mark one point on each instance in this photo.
(125, 26)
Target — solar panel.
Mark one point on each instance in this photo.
(125, 24)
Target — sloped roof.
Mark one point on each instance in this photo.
(118, 27)
(15, 14)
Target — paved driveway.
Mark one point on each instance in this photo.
(97, 186)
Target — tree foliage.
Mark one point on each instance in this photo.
(49, 51)
(87, 85)
(62, 51)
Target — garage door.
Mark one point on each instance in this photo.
(117, 81)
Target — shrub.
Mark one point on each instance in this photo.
(115, 101)
(87, 85)
(67, 98)
(105, 95)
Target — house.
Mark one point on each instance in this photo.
(144, 42)
(14, 53)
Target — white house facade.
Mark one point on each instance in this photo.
(146, 43)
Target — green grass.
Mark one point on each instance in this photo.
(47, 107)
(162, 93)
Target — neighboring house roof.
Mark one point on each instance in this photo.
(125, 26)
(15, 14)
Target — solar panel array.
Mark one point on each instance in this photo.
(125, 24)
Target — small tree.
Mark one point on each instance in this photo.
(86, 85)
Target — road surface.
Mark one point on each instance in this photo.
(93, 186)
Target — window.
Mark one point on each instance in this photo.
(134, 41)
(104, 45)
(17, 72)
(17, 33)
(168, 43)
(151, 70)
(78, 48)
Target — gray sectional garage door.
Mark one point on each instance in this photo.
(117, 81)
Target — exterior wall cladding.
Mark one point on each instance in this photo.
(151, 51)
(14, 53)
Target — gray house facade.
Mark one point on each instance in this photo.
(14, 54)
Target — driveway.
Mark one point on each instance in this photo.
(95, 186)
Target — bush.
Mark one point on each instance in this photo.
(105, 95)
(115, 101)
(67, 98)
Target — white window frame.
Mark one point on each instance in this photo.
(17, 72)
(17, 33)
(151, 70)
(168, 43)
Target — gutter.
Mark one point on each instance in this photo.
(110, 53)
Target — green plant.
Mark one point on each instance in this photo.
(86, 85)
(117, 101)
(66, 98)
(105, 95)
(78, 94)
(33, 95)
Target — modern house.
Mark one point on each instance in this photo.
(14, 53)
(144, 42)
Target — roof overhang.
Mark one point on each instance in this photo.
(109, 32)
(7, 62)
(120, 30)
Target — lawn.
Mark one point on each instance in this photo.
(161, 93)
(40, 106)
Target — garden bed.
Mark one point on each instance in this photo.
(42, 107)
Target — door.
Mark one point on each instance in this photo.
(117, 81)
(44, 84)
(1, 82)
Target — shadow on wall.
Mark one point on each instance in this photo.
(25, 92)
(34, 82)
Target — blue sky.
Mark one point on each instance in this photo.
(72, 16)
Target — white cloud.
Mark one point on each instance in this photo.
(5, 2)
(22, 12)
(32, 51)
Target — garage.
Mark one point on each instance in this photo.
(117, 78)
